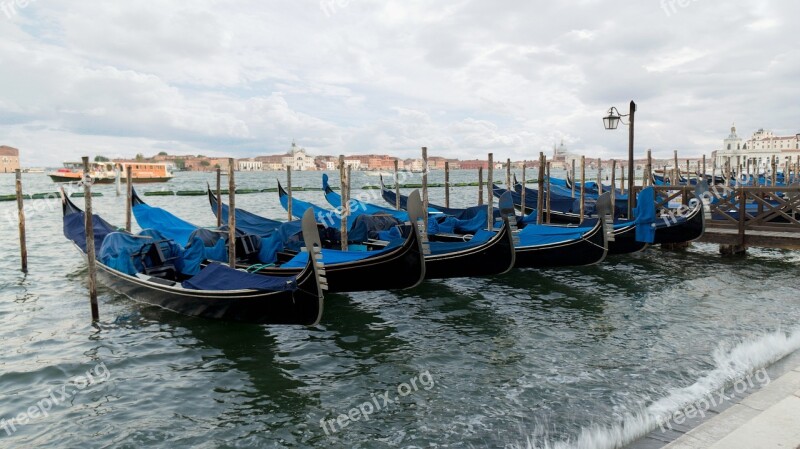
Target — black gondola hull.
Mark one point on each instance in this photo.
(302, 306)
(588, 250)
(399, 269)
(680, 231)
(625, 241)
(496, 256)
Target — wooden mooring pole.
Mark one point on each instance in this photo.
(573, 178)
(396, 186)
(446, 184)
(522, 195)
(704, 166)
(425, 183)
(583, 186)
(480, 186)
(508, 174)
(547, 189)
(128, 197)
(613, 182)
(343, 190)
(219, 197)
(231, 215)
(540, 192)
(289, 190)
(89, 232)
(489, 194)
(23, 246)
(118, 178)
(599, 176)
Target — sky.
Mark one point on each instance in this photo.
(462, 77)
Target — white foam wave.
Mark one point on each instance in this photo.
(731, 362)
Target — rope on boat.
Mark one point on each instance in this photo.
(258, 267)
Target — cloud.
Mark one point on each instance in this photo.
(463, 78)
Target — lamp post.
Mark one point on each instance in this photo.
(611, 121)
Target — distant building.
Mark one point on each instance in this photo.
(249, 165)
(758, 151)
(325, 162)
(473, 164)
(297, 158)
(9, 159)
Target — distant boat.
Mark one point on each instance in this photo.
(106, 172)
(33, 170)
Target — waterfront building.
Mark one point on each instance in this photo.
(758, 151)
(9, 159)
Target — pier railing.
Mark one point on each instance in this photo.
(742, 215)
(771, 208)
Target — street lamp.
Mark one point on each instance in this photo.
(611, 121)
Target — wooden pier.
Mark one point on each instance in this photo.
(744, 216)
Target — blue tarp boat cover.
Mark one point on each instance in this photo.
(75, 229)
(170, 226)
(118, 249)
(247, 221)
(333, 256)
(536, 235)
(221, 277)
(335, 200)
(645, 215)
(213, 243)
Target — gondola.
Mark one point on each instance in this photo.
(543, 246)
(486, 253)
(347, 271)
(217, 291)
(681, 229)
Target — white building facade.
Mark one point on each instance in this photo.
(298, 159)
(759, 151)
(250, 165)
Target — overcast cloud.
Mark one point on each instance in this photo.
(463, 77)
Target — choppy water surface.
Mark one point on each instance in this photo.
(557, 358)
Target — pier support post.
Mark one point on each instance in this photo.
(733, 250)
(676, 246)
(23, 246)
(89, 232)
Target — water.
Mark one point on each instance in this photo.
(557, 358)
